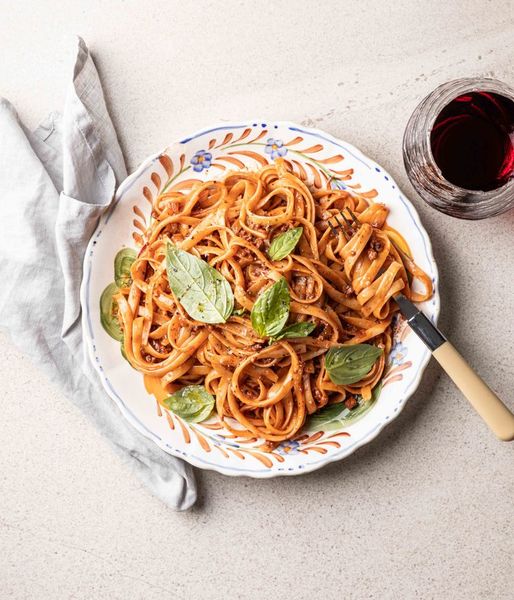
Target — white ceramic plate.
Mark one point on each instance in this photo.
(318, 157)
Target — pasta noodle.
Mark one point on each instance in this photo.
(342, 286)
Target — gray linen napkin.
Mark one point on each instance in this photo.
(55, 183)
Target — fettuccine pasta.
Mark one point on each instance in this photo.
(343, 285)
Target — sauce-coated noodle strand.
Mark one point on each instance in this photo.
(342, 284)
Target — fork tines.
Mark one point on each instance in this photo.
(354, 218)
(347, 234)
(332, 228)
(348, 227)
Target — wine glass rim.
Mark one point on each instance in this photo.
(422, 169)
(455, 88)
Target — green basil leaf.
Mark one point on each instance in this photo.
(337, 416)
(296, 330)
(348, 364)
(122, 263)
(238, 312)
(285, 243)
(336, 425)
(193, 403)
(271, 309)
(109, 312)
(375, 392)
(325, 415)
(203, 292)
(122, 350)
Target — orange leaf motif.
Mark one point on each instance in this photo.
(226, 139)
(147, 194)
(167, 163)
(245, 133)
(313, 149)
(294, 141)
(257, 157)
(156, 180)
(234, 161)
(332, 159)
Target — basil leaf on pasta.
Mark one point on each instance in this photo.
(348, 364)
(122, 349)
(296, 330)
(193, 403)
(271, 309)
(122, 263)
(203, 292)
(285, 243)
(376, 391)
(326, 415)
(336, 416)
(109, 312)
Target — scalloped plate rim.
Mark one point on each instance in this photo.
(269, 473)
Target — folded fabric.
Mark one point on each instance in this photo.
(55, 183)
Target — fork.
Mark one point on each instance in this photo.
(486, 403)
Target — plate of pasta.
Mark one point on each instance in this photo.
(238, 298)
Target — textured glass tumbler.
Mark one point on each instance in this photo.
(426, 176)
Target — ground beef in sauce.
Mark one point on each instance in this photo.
(323, 331)
(318, 396)
(281, 229)
(350, 402)
(349, 329)
(259, 243)
(376, 244)
(250, 392)
(157, 346)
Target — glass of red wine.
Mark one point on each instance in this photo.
(458, 148)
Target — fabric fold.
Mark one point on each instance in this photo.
(55, 183)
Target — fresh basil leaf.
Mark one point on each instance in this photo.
(375, 392)
(337, 416)
(326, 415)
(193, 403)
(122, 349)
(348, 364)
(122, 263)
(238, 312)
(109, 312)
(284, 243)
(296, 330)
(271, 309)
(336, 425)
(203, 292)
(350, 416)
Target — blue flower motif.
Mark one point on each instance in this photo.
(275, 148)
(288, 447)
(337, 184)
(398, 354)
(201, 160)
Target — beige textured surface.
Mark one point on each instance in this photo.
(426, 510)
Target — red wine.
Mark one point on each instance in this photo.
(472, 141)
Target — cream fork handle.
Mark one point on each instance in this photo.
(487, 404)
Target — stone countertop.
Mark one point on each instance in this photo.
(424, 511)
